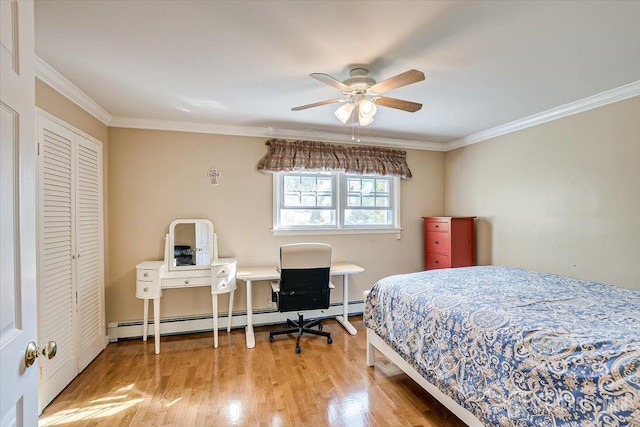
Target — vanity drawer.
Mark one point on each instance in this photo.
(186, 282)
(146, 275)
(148, 290)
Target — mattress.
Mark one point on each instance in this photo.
(517, 347)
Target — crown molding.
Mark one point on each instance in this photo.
(607, 97)
(57, 81)
(50, 76)
(270, 132)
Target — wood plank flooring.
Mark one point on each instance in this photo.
(192, 384)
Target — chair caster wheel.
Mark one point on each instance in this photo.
(329, 340)
(298, 350)
(270, 338)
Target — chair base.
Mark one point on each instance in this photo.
(300, 328)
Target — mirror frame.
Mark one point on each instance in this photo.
(169, 252)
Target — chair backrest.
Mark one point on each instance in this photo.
(304, 276)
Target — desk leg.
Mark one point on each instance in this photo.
(156, 323)
(214, 302)
(145, 324)
(251, 340)
(344, 319)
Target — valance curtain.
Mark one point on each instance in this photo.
(287, 156)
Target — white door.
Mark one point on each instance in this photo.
(90, 253)
(56, 304)
(71, 255)
(18, 383)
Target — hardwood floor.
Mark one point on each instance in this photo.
(192, 384)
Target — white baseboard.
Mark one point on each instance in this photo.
(193, 324)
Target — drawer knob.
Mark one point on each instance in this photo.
(436, 261)
(186, 282)
(437, 226)
(437, 242)
(146, 274)
(146, 289)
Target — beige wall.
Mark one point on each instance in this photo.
(158, 176)
(561, 197)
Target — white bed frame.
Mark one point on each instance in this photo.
(375, 342)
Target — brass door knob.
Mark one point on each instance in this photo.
(32, 352)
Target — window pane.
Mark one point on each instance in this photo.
(308, 200)
(354, 201)
(367, 217)
(291, 183)
(368, 201)
(368, 186)
(324, 201)
(324, 184)
(291, 200)
(382, 186)
(354, 184)
(307, 217)
(308, 183)
(382, 202)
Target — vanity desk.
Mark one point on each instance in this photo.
(190, 260)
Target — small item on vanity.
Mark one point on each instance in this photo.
(214, 175)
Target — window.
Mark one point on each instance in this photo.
(335, 201)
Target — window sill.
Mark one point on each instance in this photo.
(325, 231)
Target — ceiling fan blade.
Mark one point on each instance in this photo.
(398, 104)
(406, 78)
(317, 104)
(326, 78)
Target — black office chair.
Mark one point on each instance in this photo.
(304, 285)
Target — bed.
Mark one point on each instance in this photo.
(506, 346)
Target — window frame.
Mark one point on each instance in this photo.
(340, 205)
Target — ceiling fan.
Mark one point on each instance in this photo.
(361, 94)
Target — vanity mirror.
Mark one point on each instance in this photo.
(191, 245)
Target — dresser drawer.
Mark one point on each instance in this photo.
(146, 275)
(436, 226)
(186, 282)
(433, 261)
(438, 242)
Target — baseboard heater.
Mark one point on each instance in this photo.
(204, 323)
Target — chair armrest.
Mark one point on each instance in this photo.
(275, 286)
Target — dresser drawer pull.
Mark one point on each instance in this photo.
(435, 262)
(146, 289)
(437, 242)
(146, 275)
(186, 282)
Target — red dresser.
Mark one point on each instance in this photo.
(448, 242)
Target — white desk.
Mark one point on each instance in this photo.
(252, 274)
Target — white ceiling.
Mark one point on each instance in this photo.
(244, 64)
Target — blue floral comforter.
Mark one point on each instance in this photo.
(517, 347)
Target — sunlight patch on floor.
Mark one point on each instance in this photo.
(93, 410)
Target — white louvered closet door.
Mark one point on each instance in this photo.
(71, 255)
(90, 253)
(56, 294)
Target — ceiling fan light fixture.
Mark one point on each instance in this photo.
(344, 113)
(364, 119)
(366, 111)
(367, 108)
